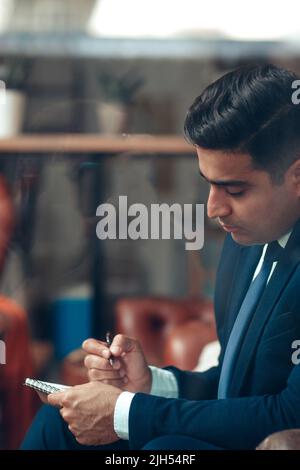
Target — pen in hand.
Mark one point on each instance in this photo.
(108, 342)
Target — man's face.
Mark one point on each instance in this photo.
(245, 200)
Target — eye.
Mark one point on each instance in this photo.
(236, 193)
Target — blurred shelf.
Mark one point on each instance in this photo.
(82, 45)
(95, 143)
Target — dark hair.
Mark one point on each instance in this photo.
(249, 110)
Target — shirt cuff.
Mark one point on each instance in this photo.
(164, 383)
(121, 415)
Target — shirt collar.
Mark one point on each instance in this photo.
(282, 242)
(284, 239)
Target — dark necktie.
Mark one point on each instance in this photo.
(244, 316)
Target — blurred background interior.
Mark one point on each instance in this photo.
(93, 95)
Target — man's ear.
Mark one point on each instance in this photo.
(294, 173)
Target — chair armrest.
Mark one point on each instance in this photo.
(185, 343)
(153, 320)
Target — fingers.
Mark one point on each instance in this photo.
(123, 344)
(118, 383)
(96, 374)
(120, 346)
(118, 380)
(73, 430)
(94, 346)
(97, 348)
(57, 399)
(99, 369)
(92, 361)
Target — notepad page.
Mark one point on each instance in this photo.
(45, 387)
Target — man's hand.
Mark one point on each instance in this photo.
(129, 370)
(89, 411)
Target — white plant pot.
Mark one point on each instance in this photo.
(12, 107)
(112, 117)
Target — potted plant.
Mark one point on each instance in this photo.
(118, 96)
(13, 79)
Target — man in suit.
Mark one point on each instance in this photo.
(245, 128)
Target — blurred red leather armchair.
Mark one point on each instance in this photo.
(171, 331)
(17, 404)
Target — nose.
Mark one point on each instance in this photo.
(217, 206)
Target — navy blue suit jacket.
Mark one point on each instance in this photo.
(265, 388)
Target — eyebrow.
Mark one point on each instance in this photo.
(224, 183)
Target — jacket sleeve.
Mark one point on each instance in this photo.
(233, 423)
(197, 385)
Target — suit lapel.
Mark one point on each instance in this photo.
(284, 270)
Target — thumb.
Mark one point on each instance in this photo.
(55, 399)
(123, 344)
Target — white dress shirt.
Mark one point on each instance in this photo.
(164, 383)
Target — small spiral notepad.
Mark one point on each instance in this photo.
(45, 387)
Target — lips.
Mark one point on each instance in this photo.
(229, 228)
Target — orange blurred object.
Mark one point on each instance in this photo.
(19, 404)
